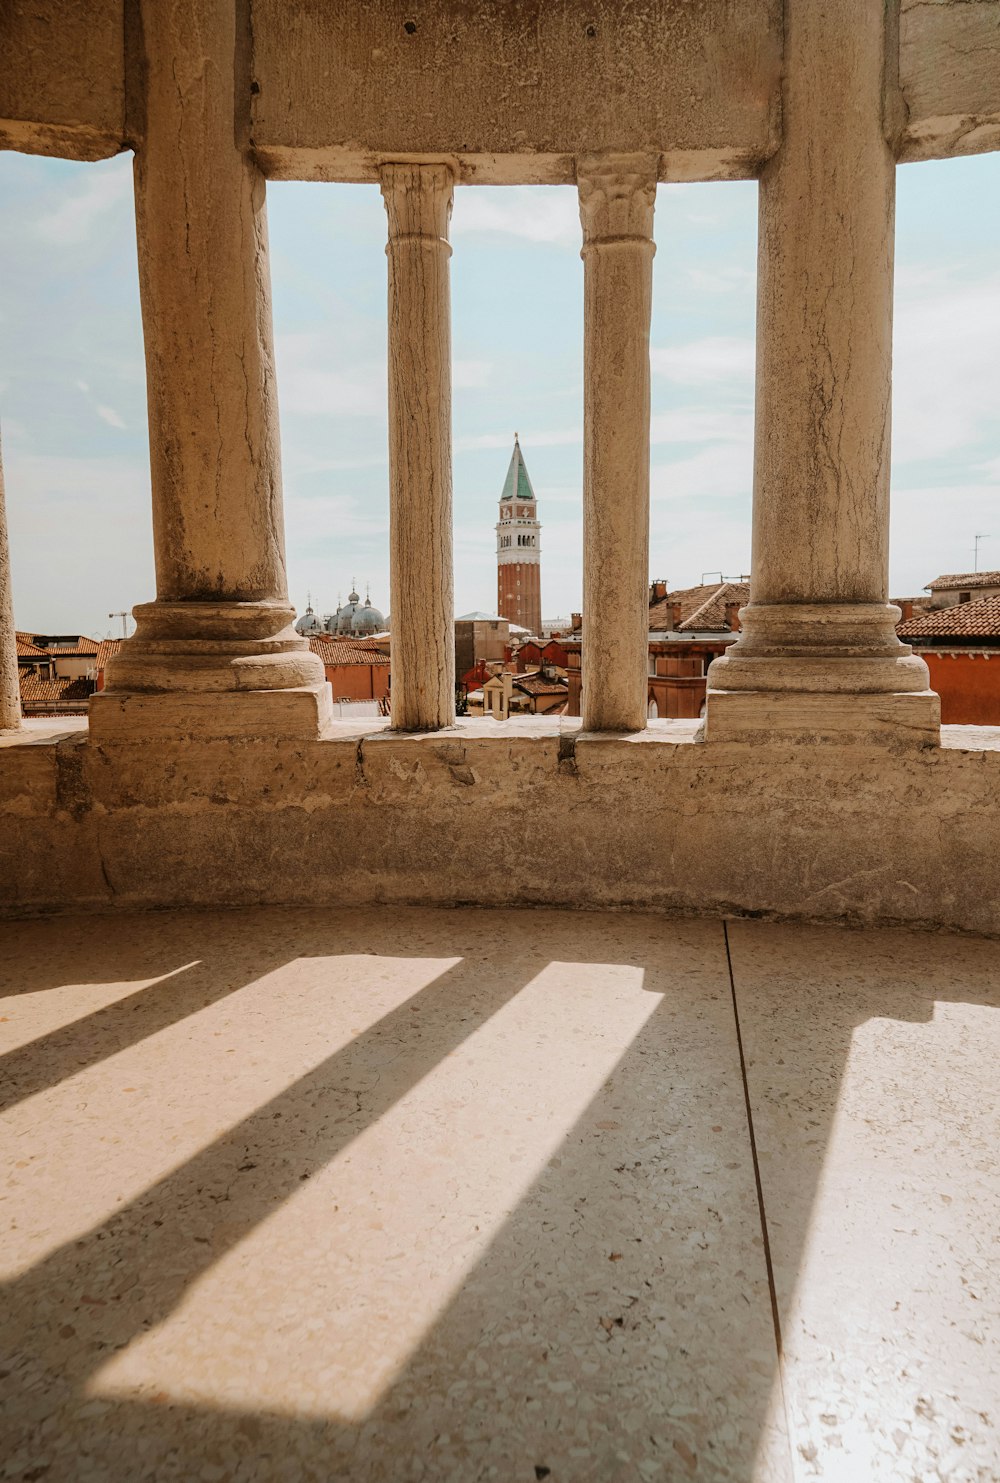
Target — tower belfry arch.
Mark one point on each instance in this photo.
(519, 548)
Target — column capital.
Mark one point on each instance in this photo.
(617, 197)
(418, 200)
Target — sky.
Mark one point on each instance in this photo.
(72, 389)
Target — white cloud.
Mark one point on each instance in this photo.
(721, 470)
(702, 425)
(310, 386)
(932, 529)
(722, 280)
(553, 438)
(81, 208)
(81, 539)
(469, 374)
(536, 213)
(946, 368)
(110, 416)
(714, 358)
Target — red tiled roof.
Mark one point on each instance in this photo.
(27, 650)
(964, 620)
(106, 649)
(539, 685)
(337, 651)
(36, 691)
(703, 609)
(964, 579)
(80, 644)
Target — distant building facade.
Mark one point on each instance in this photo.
(688, 628)
(519, 549)
(957, 587)
(479, 638)
(56, 673)
(960, 644)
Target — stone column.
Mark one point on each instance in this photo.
(418, 202)
(10, 690)
(617, 196)
(216, 653)
(818, 653)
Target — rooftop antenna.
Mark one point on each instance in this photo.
(124, 617)
(711, 574)
(980, 536)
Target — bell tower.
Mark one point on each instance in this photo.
(519, 549)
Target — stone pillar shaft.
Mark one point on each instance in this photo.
(221, 621)
(617, 197)
(819, 618)
(10, 690)
(418, 200)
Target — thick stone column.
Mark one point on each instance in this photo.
(10, 690)
(216, 653)
(418, 201)
(818, 653)
(617, 196)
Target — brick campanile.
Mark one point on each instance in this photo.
(519, 549)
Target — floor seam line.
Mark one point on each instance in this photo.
(761, 1212)
(775, 1316)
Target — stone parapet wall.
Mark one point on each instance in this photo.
(530, 812)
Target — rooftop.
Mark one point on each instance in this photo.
(963, 620)
(517, 485)
(347, 651)
(703, 608)
(964, 579)
(473, 1194)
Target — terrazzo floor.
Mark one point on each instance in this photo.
(455, 1195)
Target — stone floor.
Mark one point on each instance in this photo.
(404, 1195)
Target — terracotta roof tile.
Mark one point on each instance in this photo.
(539, 685)
(27, 650)
(703, 609)
(106, 649)
(80, 644)
(347, 651)
(963, 620)
(964, 579)
(36, 691)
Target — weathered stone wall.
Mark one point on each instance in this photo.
(526, 812)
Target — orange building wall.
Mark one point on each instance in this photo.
(358, 681)
(968, 684)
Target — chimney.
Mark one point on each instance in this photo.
(657, 592)
(675, 614)
(576, 622)
(733, 616)
(906, 608)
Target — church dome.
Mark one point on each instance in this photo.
(367, 619)
(309, 623)
(356, 617)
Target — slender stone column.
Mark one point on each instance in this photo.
(818, 652)
(10, 690)
(617, 196)
(418, 202)
(216, 653)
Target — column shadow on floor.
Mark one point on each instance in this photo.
(573, 1348)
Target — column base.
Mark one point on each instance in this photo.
(802, 672)
(301, 714)
(799, 717)
(227, 669)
